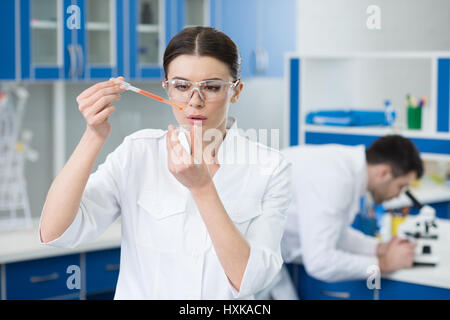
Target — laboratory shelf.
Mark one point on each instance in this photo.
(362, 80)
(373, 55)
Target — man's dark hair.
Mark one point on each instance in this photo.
(398, 152)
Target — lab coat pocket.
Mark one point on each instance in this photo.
(160, 220)
(243, 212)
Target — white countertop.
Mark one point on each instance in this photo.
(438, 276)
(21, 245)
(24, 245)
(425, 193)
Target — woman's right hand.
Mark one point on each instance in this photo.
(95, 105)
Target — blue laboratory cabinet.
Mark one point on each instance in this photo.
(309, 288)
(93, 46)
(8, 50)
(264, 31)
(69, 39)
(77, 40)
(53, 277)
(83, 40)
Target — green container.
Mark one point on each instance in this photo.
(414, 118)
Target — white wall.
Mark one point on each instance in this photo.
(340, 25)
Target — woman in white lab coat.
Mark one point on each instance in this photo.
(195, 225)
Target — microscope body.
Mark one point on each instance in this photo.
(422, 229)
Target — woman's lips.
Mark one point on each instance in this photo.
(197, 119)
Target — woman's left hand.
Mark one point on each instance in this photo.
(189, 169)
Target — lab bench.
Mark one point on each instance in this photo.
(408, 284)
(30, 270)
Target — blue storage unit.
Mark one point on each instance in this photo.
(442, 209)
(309, 288)
(398, 290)
(41, 40)
(443, 95)
(51, 46)
(102, 271)
(90, 64)
(40, 279)
(51, 278)
(8, 52)
(147, 40)
(262, 29)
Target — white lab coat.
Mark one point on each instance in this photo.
(327, 184)
(166, 251)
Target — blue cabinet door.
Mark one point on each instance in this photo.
(94, 49)
(8, 53)
(264, 31)
(397, 290)
(309, 288)
(41, 40)
(101, 43)
(102, 270)
(40, 279)
(238, 20)
(148, 35)
(279, 33)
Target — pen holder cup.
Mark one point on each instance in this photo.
(414, 118)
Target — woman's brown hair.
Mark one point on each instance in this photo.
(204, 41)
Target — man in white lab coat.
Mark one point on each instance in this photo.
(328, 182)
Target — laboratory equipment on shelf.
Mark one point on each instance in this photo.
(421, 229)
(14, 150)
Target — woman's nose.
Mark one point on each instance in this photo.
(196, 98)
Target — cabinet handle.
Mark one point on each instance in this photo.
(336, 294)
(112, 267)
(50, 277)
(80, 55)
(73, 61)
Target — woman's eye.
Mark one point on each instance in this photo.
(181, 87)
(212, 88)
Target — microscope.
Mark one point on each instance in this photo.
(421, 229)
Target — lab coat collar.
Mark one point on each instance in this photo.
(364, 174)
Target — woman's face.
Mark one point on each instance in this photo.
(200, 68)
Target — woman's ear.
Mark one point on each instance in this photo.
(237, 92)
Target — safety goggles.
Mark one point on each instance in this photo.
(181, 91)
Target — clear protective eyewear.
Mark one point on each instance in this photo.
(180, 90)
